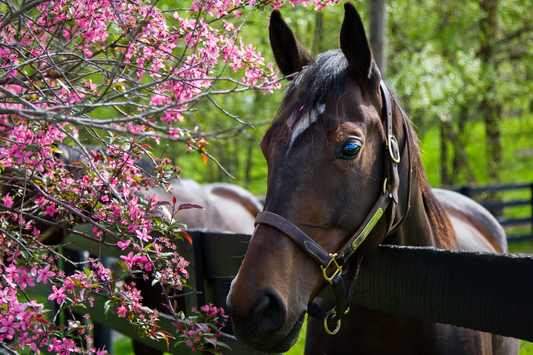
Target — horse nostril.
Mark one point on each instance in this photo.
(270, 313)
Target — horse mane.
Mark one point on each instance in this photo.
(439, 219)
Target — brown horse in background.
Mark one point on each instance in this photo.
(227, 208)
(344, 175)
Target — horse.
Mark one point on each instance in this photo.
(344, 176)
(228, 207)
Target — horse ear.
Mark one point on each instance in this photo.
(355, 46)
(290, 55)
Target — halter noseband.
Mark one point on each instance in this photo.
(389, 197)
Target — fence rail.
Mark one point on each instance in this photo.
(491, 197)
(482, 291)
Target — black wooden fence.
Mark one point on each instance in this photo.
(483, 291)
(494, 198)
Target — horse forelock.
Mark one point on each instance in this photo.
(306, 96)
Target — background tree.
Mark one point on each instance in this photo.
(378, 33)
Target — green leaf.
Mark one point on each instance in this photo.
(76, 281)
(29, 148)
(148, 246)
(25, 254)
(83, 164)
(123, 265)
(108, 307)
(87, 271)
(223, 345)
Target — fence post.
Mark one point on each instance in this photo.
(466, 190)
(531, 202)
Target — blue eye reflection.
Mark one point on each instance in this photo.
(350, 150)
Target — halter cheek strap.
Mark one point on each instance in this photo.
(332, 264)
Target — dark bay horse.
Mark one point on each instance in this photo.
(344, 175)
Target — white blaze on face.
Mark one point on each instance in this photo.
(306, 121)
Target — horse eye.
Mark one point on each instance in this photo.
(350, 150)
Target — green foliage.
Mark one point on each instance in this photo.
(517, 150)
(439, 75)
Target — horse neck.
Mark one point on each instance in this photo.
(418, 228)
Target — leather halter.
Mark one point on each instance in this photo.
(343, 290)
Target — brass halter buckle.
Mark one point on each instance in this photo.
(391, 149)
(338, 271)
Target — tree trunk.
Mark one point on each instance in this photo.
(460, 165)
(492, 117)
(249, 163)
(444, 133)
(378, 33)
(318, 36)
(490, 108)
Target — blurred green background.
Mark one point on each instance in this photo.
(462, 70)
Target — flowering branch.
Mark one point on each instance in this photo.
(122, 75)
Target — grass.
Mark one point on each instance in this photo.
(526, 348)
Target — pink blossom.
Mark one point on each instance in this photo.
(159, 100)
(143, 235)
(23, 156)
(58, 294)
(92, 86)
(24, 280)
(123, 245)
(122, 311)
(82, 29)
(44, 274)
(51, 209)
(8, 326)
(8, 201)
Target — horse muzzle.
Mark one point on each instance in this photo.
(265, 325)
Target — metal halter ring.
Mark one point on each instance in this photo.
(394, 159)
(337, 328)
(337, 272)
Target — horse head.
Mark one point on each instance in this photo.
(332, 184)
